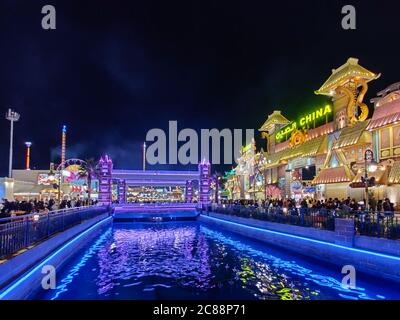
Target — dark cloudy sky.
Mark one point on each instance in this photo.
(115, 69)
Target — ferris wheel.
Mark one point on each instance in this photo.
(71, 162)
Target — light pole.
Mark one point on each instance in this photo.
(28, 155)
(144, 156)
(370, 165)
(12, 116)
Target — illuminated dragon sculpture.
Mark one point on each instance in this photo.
(355, 100)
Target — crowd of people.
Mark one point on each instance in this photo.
(346, 206)
(7, 208)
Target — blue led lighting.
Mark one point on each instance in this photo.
(14, 285)
(308, 239)
(292, 267)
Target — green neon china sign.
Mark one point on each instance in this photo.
(312, 120)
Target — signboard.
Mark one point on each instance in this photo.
(45, 179)
(312, 120)
(309, 190)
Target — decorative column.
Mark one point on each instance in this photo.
(288, 183)
(105, 180)
(204, 182)
(189, 191)
(121, 191)
(344, 232)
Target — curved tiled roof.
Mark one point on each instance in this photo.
(385, 114)
(333, 175)
(351, 135)
(342, 74)
(275, 117)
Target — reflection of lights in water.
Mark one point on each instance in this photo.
(269, 282)
(74, 271)
(176, 256)
(139, 261)
(246, 274)
(113, 246)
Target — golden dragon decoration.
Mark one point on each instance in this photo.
(355, 100)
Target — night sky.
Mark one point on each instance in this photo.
(115, 69)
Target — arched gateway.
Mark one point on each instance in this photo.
(152, 178)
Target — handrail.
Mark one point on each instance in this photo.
(350, 214)
(32, 215)
(158, 204)
(22, 231)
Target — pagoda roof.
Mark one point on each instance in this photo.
(333, 175)
(343, 74)
(353, 135)
(387, 111)
(389, 89)
(275, 117)
(306, 149)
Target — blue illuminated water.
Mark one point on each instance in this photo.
(190, 260)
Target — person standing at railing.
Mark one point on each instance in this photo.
(388, 208)
(303, 210)
(372, 204)
(379, 206)
(50, 205)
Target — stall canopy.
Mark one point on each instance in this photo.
(333, 175)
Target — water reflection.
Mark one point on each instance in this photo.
(278, 278)
(192, 261)
(155, 257)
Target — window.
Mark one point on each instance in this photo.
(389, 141)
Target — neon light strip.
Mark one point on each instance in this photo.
(156, 172)
(308, 239)
(28, 149)
(5, 292)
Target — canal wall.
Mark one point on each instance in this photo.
(21, 276)
(152, 212)
(312, 233)
(343, 234)
(378, 244)
(336, 247)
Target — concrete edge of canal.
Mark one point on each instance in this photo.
(336, 247)
(21, 276)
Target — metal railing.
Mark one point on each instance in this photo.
(155, 204)
(20, 232)
(305, 217)
(378, 225)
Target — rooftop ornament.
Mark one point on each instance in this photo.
(342, 75)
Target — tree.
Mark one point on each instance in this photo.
(217, 179)
(89, 171)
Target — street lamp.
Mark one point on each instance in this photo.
(370, 165)
(12, 116)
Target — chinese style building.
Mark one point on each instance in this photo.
(321, 154)
(385, 129)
